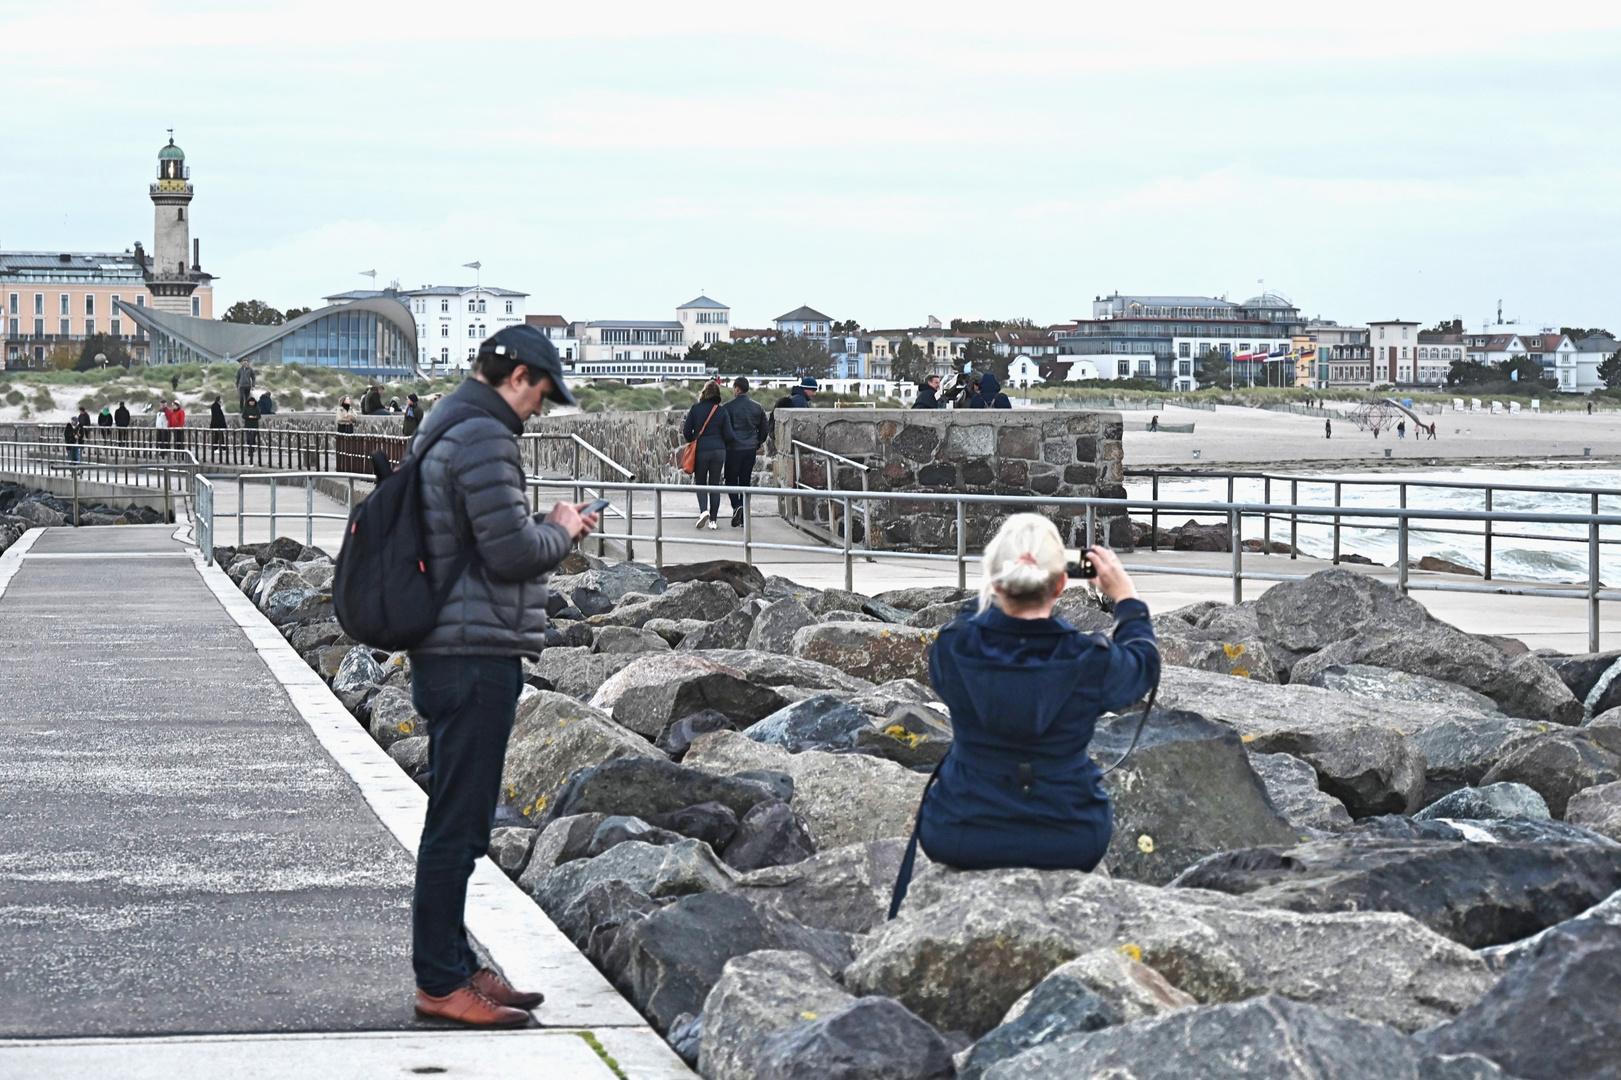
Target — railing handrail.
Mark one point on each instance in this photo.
(1464, 485)
(827, 453)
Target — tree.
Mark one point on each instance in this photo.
(101, 345)
(1610, 370)
(1468, 373)
(987, 326)
(910, 363)
(1523, 370)
(1577, 333)
(848, 326)
(1444, 327)
(736, 357)
(797, 355)
(294, 312)
(254, 313)
(1214, 370)
(980, 355)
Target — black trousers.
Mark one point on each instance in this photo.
(468, 702)
(739, 468)
(711, 465)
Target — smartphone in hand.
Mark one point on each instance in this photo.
(595, 507)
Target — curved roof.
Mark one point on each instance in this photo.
(222, 340)
(171, 152)
(1269, 299)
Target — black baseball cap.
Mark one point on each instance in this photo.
(533, 349)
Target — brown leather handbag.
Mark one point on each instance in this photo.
(689, 452)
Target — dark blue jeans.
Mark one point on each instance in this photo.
(739, 471)
(711, 467)
(468, 702)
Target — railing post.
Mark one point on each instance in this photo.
(1336, 523)
(849, 565)
(630, 524)
(1235, 534)
(1592, 580)
(309, 511)
(1294, 520)
(1401, 553)
(658, 529)
(962, 546)
(748, 527)
(241, 505)
(272, 508)
(1153, 518)
(1091, 526)
(1266, 516)
(76, 497)
(1488, 566)
(168, 501)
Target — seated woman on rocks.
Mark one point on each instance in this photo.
(1025, 690)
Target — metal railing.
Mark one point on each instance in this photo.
(836, 532)
(1088, 511)
(1348, 517)
(131, 472)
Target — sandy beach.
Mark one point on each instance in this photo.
(1236, 435)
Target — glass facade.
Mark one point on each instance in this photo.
(357, 341)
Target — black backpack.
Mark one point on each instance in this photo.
(380, 587)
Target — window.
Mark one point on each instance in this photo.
(65, 309)
(472, 306)
(39, 303)
(444, 305)
(140, 301)
(39, 327)
(1184, 349)
(89, 303)
(481, 331)
(444, 329)
(15, 297)
(1123, 369)
(1404, 333)
(67, 328)
(118, 328)
(481, 307)
(1184, 367)
(1145, 367)
(472, 330)
(13, 331)
(1381, 333)
(196, 307)
(89, 327)
(509, 307)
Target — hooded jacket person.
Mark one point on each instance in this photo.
(990, 394)
(1018, 787)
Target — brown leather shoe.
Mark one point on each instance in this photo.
(468, 1006)
(501, 992)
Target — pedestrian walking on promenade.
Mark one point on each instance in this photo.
(160, 426)
(1328, 429)
(1432, 429)
(412, 416)
(750, 428)
(467, 673)
(121, 422)
(348, 460)
(710, 426)
(177, 425)
(1153, 423)
(1401, 430)
(217, 426)
(250, 427)
(245, 380)
(72, 438)
(104, 420)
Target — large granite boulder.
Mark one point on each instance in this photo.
(823, 722)
(358, 669)
(667, 962)
(1503, 957)
(844, 798)
(1058, 1006)
(757, 995)
(918, 597)
(553, 737)
(877, 652)
(1360, 757)
(1186, 791)
(1477, 894)
(1557, 765)
(392, 717)
(652, 692)
(1553, 1016)
(706, 600)
(1597, 808)
(732, 632)
(1330, 606)
(770, 834)
(1269, 1036)
(577, 671)
(744, 579)
(1488, 803)
(1130, 989)
(1383, 684)
(647, 787)
(654, 870)
(775, 669)
(774, 627)
(968, 944)
(627, 639)
(869, 1037)
(1291, 787)
(846, 888)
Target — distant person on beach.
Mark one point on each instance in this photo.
(1153, 423)
(1432, 429)
(1025, 690)
(177, 425)
(1401, 430)
(1328, 429)
(174, 382)
(1589, 408)
(467, 673)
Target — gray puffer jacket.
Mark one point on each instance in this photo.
(473, 494)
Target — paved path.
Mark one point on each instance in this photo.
(199, 842)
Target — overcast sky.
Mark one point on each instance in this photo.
(879, 161)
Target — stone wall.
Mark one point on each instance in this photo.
(979, 452)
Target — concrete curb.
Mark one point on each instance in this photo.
(519, 936)
(12, 559)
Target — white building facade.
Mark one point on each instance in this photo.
(651, 349)
(452, 320)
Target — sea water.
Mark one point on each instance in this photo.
(1557, 554)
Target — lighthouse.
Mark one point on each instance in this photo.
(173, 270)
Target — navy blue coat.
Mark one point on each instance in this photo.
(1029, 692)
(990, 394)
(718, 435)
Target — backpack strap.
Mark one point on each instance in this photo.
(420, 445)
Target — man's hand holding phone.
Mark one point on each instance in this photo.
(578, 518)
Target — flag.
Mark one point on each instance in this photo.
(474, 265)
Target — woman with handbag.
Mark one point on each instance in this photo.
(708, 432)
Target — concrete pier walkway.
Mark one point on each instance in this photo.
(206, 864)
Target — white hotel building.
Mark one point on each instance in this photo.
(652, 348)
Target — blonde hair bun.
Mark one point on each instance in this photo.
(1022, 561)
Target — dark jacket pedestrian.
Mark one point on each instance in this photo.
(267, 407)
(73, 438)
(1328, 429)
(928, 394)
(121, 416)
(104, 420)
(751, 427)
(990, 394)
(245, 380)
(709, 423)
(492, 555)
(372, 403)
(1018, 787)
(216, 415)
(250, 423)
(412, 416)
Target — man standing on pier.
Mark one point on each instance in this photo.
(245, 379)
(489, 558)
